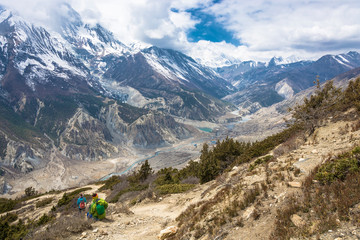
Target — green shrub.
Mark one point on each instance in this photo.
(30, 191)
(44, 219)
(131, 188)
(64, 200)
(142, 174)
(260, 161)
(9, 231)
(9, 217)
(43, 202)
(68, 197)
(110, 183)
(340, 167)
(167, 176)
(7, 204)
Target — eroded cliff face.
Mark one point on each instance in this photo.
(92, 139)
(157, 129)
(21, 156)
(114, 130)
(86, 138)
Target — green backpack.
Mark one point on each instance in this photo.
(100, 209)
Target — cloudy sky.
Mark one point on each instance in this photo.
(212, 29)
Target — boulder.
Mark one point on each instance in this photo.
(295, 184)
(167, 232)
(297, 220)
(248, 213)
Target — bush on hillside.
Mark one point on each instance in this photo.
(43, 202)
(340, 167)
(63, 228)
(351, 96)
(167, 176)
(30, 191)
(325, 201)
(7, 204)
(260, 161)
(138, 181)
(110, 183)
(142, 174)
(9, 230)
(67, 198)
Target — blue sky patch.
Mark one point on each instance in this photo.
(209, 29)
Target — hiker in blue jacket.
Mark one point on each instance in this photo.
(81, 202)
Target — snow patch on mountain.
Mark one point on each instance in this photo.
(3, 42)
(137, 46)
(216, 61)
(340, 59)
(5, 14)
(214, 55)
(282, 61)
(89, 39)
(165, 66)
(284, 89)
(343, 59)
(154, 63)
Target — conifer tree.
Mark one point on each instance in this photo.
(145, 171)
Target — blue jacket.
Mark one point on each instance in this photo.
(80, 199)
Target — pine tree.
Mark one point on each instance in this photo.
(145, 171)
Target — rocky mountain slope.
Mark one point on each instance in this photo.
(263, 84)
(77, 89)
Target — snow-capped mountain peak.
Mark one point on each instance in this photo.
(36, 49)
(138, 46)
(281, 61)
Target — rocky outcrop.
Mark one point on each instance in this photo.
(86, 138)
(91, 139)
(145, 129)
(167, 232)
(297, 220)
(19, 155)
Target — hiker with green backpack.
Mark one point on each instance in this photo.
(97, 208)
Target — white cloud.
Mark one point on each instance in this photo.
(303, 28)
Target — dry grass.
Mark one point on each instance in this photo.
(356, 126)
(210, 216)
(322, 204)
(288, 146)
(63, 228)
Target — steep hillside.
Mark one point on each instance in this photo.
(305, 187)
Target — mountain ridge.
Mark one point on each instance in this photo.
(282, 81)
(60, 87)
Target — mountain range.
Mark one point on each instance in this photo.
(75, 88)
(262, 84)
(64, 90)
